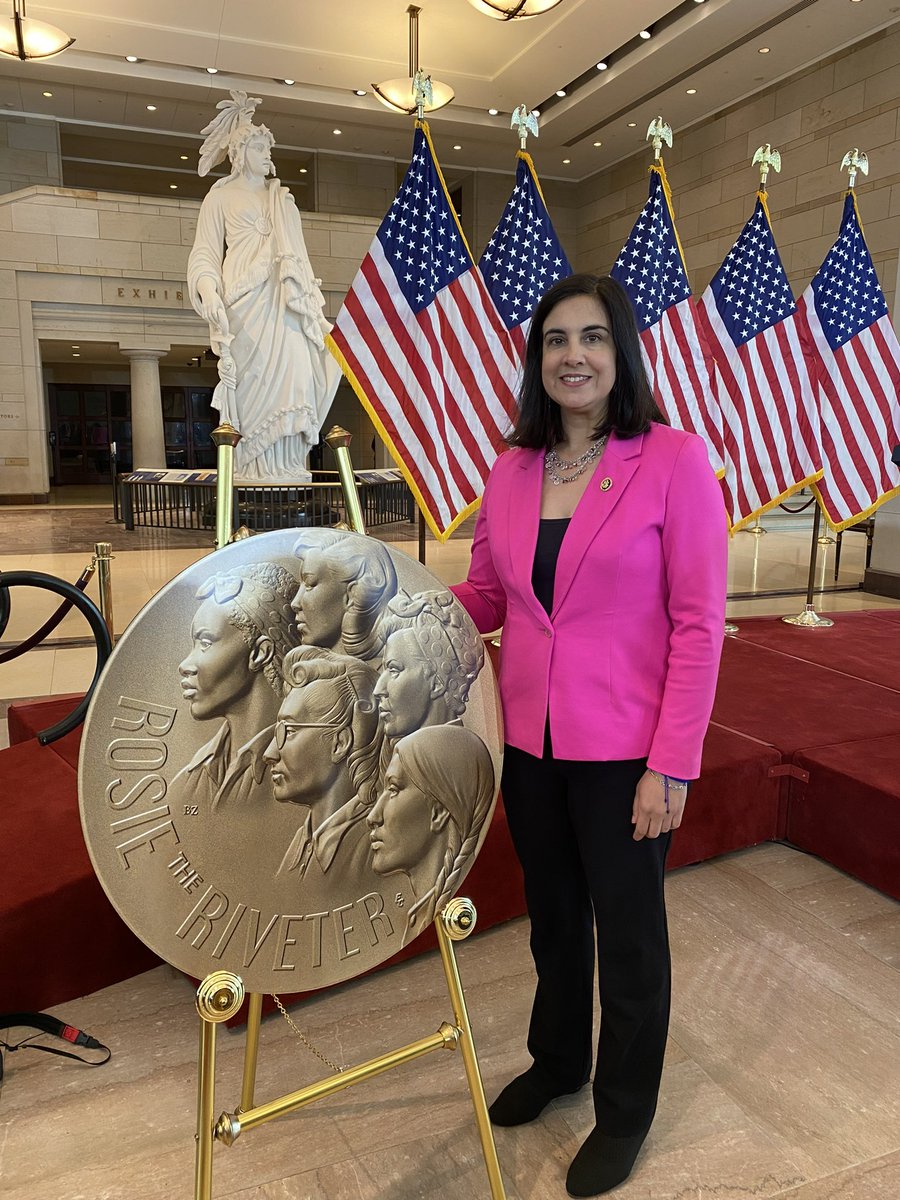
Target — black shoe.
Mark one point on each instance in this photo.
(602, 1163)
(523, 1099)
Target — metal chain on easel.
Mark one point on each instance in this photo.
(305, 1040)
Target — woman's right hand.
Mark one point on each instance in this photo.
(212, 307)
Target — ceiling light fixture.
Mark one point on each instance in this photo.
(457, 147)
(566, 161)
(398, 94)
(763, 50)
(598, 143)
(173, 186)
(513, 10)
(288, 82)
(151, 108)
(602, 66)
(47, 94)
(632, 124)
(184, 157)
(132, 58)
(692, 91)
(493, 112)
(303, 170)
(212, 70)
(21, 37)
(561, 92)
(76, 355)
(645, 34)
(360, 92)
(337, 132)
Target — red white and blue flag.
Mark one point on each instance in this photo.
(858, 378)
(425, 350)
(680, 367)
(524, 257)
(769, 409)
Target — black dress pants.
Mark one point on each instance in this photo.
(571, 827)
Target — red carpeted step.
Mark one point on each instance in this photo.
(849, 812)
(865, 645)
(27, 718)
(793, 704)
(59, 935)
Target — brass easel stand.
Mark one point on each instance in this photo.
(219, 997)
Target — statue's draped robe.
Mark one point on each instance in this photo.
(251, 244)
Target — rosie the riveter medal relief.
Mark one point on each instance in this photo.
(291, 760)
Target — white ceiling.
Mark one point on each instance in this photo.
(331, 48)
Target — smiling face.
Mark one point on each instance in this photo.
(404, 690)
(302, 766)
(578, 362)
(401, 823)
(320, 602)
(217, 672)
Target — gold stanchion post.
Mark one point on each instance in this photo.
(225, 437)
(103, 557)
(339, 440)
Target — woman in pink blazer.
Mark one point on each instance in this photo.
(600, 549)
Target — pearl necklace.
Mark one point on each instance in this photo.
(553, 464)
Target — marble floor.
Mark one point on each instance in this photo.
(780, 1079)
(784, 1060)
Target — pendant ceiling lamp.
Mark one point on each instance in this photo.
(399, 95)
(21, 37)
(513, 10)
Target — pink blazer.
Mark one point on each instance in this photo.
(627, 663)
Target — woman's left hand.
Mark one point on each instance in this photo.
(649, 816)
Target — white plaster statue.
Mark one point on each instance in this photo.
(250, 277)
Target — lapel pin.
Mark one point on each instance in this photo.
(605, 484)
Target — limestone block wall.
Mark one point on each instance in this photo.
(29, 153)
(813, 118)
(103, 266)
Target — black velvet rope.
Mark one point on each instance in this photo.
(98, 628)
(49, 625)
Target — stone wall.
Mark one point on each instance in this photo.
(29, 153)
(851, 99)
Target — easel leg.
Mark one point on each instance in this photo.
(219, 996)
(455, 922)
(251, 1051)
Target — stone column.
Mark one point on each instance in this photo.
(148, 441)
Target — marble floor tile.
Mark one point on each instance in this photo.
(30, 675)
(841, 901)
(875, 1180)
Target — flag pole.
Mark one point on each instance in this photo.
(809, 618)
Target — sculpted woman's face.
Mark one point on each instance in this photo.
(217, 672)
(405, 687)
(258, 158)
(320, 602)
(402, 823)
(302, 766)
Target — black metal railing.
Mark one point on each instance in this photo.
(168, 500)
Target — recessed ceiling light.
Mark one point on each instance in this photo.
(173, 186)
(75, 347)
(598, 143)
(361, 92)
(151, 108)
(692, 91)
(303, 170)
(457, 147)
(632, 124)
(492, 112)
(566, 161)
(645, 33)
(763, 50)
(699, 1)
(48, 94)
(288, 82)
(535, 112)
(184, 158)
(76, 355)
(561, 92)
(212, 70)
(336, 132)
(132, 58)
(602, 66)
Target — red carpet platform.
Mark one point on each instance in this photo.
(804, 746)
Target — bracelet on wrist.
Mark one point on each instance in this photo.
(669, 782)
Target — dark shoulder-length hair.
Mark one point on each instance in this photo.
(631, 408)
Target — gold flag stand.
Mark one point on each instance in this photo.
(220, 996)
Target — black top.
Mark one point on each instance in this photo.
(551, 532)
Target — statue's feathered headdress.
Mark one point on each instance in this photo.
(232, 114)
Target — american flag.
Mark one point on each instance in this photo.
(858, 377)
(679, 365)
(771, 421)
(524, 256)
(421, 342)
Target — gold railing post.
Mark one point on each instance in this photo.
(339, 441)
(455, 922)
(225, 437)
(103, 557)
(219, 997)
